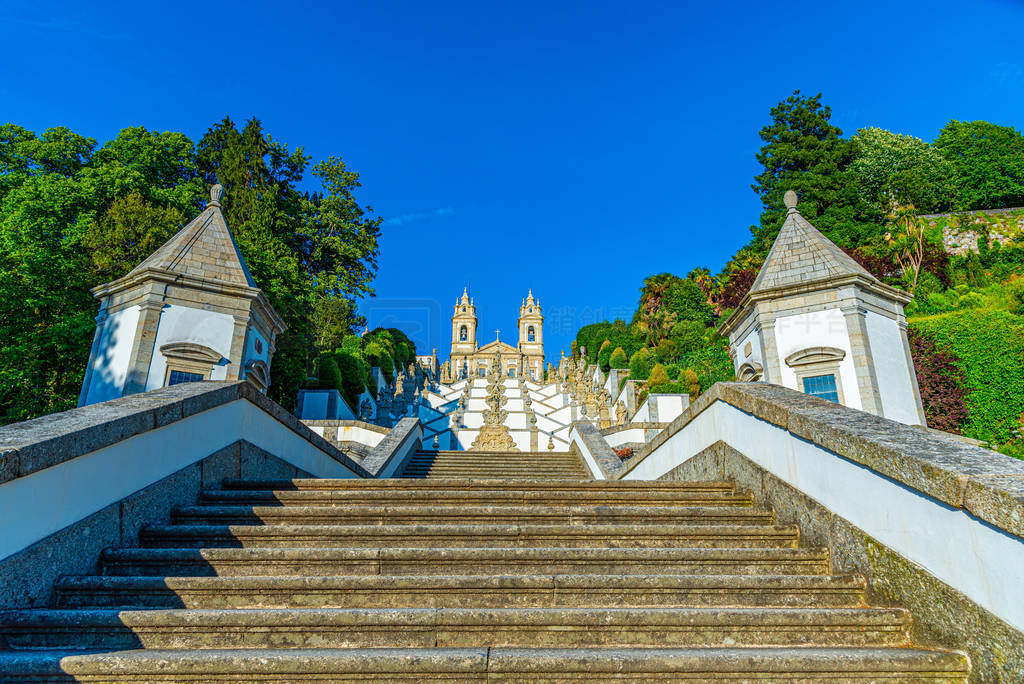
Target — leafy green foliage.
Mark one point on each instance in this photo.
(658, 376)
(74, 215)
(987, 161)
(640, 364)
(894, 168)
(301, 249)
(803, 151)
(618, 359)
(618, 334)
(986, 346)
(604, 356)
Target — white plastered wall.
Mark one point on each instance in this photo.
(895, 385)
(185, 324)
(826, 328)
(110, 367)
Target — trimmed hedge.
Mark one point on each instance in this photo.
(988, 347)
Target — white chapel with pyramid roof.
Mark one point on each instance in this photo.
(190, 311)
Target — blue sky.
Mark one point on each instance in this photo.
(574, 148)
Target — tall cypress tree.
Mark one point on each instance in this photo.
(805, 152)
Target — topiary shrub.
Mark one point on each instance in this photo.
(328, 375)
(640, 364)
(353, 377)
(658, 376)
(690, 382)
(618, 359)
(604, 356)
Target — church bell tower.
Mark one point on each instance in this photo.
(531, 337)
(463, 335)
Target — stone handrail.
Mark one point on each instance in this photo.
(987, 484)
(388, 457)
(597, 456)
(40, 443)
(928, 501)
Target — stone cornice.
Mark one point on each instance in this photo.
(751, 298)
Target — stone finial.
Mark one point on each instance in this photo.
(790, 200)
(216, 195)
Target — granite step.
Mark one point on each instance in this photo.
(433, 536)
(495, 561)
(457, 591)
(805, 665)
(463, 514)
(453, 628)
(463, 484)
(473, 496)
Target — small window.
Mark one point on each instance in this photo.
(511, 372)
(178, 377)
(530, 337)
(823, 386)
(482, 372)
(463, 334)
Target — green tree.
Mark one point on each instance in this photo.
(666, 299)
(803, 151)
(618, 359)
(658, 376)
(301, 248)
(640, 364)
(604, 356)
(891, 168)
(129, 230)
(988, 162)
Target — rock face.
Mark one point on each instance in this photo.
(471, 568)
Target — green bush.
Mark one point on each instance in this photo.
(640, 364)
(988, 346)
(328, 374)
(352, 344)
(668, 388)
(673, 370)
(691, 382)
(353, 377)
(618, 359)
(688, 336)
(658, 376)
(604, 356)
(666, 351)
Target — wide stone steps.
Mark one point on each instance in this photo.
(445, 496)
(567, 489)
(491, 591)
(288, 562)
(849, 665)
(463, 536)
(453, 628)
(439, 514)
(523, 578)
(433, 464)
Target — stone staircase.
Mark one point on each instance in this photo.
(492, 464)
(468, 579)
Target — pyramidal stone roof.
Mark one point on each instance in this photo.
(801, 254)
(203, 249)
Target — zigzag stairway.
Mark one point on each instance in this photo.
(468, 578)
